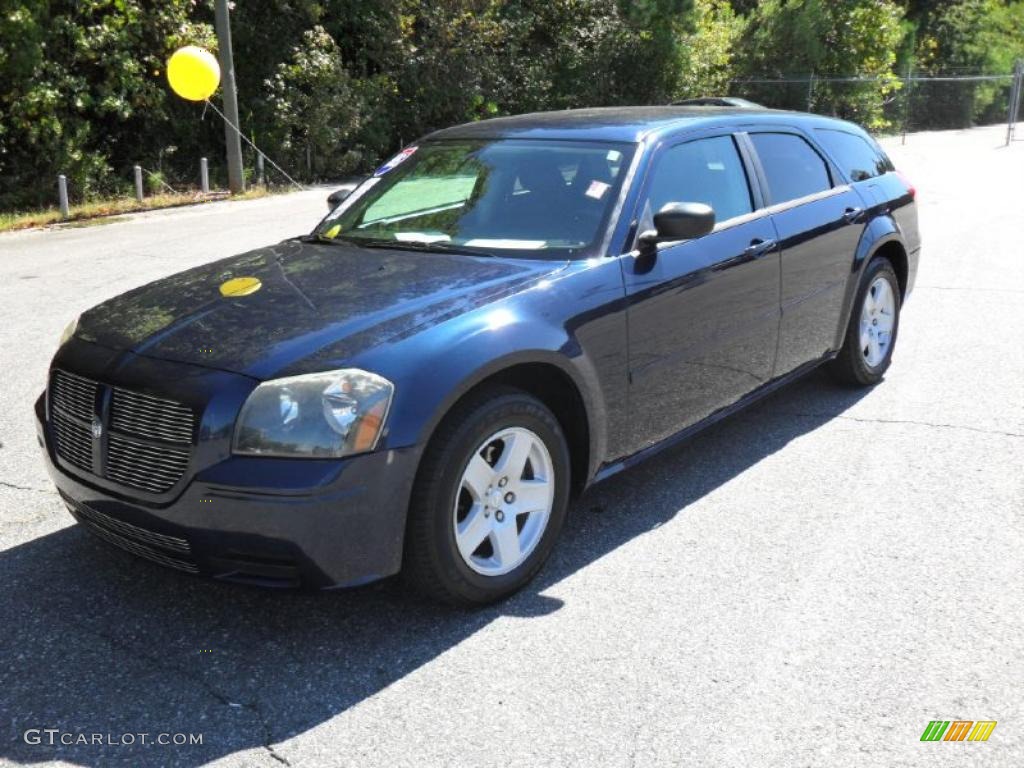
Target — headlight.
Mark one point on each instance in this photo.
(69, 331)
(319, 415)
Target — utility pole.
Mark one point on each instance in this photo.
(232, 138)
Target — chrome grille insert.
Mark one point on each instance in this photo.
(73, 395)
(144, 466)
(133, 413)
(72, 407)
(73, 442)
(141, 535)
(138, 541)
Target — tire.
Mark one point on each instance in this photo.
(862, 362)
(450, 494)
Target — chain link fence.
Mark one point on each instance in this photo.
(892, 104)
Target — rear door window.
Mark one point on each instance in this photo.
(703, 171)
(854, 154)
(792, 167)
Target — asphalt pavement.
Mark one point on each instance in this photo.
(808, 583)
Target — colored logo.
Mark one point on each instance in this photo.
(958, 730)
(395, 161)
(240, 286)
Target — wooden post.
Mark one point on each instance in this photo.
(232, 135)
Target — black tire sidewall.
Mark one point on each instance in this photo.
(510, 410)
(861, 370)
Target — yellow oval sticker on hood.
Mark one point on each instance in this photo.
(240, 286)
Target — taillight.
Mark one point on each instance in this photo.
(911, 189)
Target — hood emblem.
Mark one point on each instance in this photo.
(240, 286)
(97, 429)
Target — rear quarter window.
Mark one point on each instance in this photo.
(858, 157)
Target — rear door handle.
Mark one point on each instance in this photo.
(851, 214)
(759, 247)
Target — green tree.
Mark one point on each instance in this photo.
(82, 93)
(967, 37)
(706, 52)
(855, 39)
(317, 108)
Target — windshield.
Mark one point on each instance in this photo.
(533, 199)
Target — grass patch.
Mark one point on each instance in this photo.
(105, 211)
(95, 222)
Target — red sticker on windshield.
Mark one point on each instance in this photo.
(395, 161)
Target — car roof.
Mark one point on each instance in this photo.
(626, 124)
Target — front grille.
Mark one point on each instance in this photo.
(170, 551)
(145, 441)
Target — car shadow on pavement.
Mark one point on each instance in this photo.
(97, 642)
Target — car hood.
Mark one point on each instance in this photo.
(314, 299)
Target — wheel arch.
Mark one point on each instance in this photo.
(882, 238)
(554, 381)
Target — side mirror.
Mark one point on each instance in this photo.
(678, 221)
(348, 186)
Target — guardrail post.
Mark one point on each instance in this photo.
(138, 183)
(62, 195)
(259, 168)
(204, 176)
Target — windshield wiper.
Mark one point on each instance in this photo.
(439, 246)
(316, 238)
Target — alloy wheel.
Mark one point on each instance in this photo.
(877, 318)
(504, 501)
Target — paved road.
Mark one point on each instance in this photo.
(806, 584)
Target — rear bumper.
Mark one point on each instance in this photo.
(913, 260)
(272, 522)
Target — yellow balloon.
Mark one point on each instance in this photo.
(193, 73)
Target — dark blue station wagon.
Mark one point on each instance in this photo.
(503, 314)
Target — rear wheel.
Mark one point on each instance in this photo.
(489, 499)
(874, 323)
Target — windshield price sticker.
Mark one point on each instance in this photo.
(395, 161)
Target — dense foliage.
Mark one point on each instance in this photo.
(329, 86)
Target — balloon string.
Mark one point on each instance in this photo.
(156, 176)
(234, 127)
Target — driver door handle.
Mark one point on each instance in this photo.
(759, 247)
(851, 214)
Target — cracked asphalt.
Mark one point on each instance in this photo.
(808, 583)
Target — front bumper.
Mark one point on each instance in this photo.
(272, 522)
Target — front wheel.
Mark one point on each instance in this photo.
(489, 499)
(874, 322)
